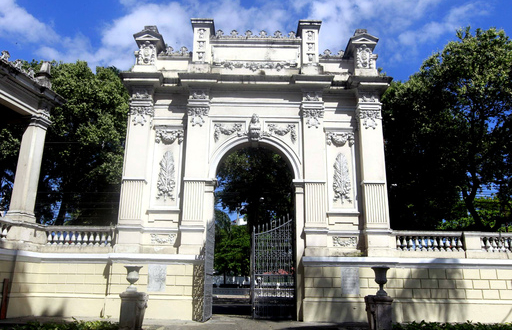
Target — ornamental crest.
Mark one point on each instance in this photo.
(340, 139)
(166, 182)
(341, 184)
(369, 118)
(365, 58)
(139, 114)
(313, 116)
(147, 54)
(196, 115)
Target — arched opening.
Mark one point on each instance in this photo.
(254, 239)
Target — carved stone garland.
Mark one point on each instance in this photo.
(219, 129)
(341, 184)
(340, 241)
(340, 139)
(273, 129)
(169, 136)
(166, 182)
(168, 239)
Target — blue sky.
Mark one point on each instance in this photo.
(101, 32)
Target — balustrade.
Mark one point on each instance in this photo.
(429, 241)
(496, 242)
(79, 236)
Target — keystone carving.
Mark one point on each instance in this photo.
(255, 128)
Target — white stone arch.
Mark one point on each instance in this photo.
(240, 142)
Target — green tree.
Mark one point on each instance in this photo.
(84, 147)
(83, 156)
(11, 130)
(259, 180)
(232, 252)
(447, 133)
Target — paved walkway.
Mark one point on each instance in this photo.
(217, 322)
(238, 322)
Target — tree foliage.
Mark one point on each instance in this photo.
(83, 154)
(258, 180)
(232, 247)
(448, 133)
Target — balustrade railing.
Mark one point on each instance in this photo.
(79, 236)
(429, 241)
(65, 236)
(496, 242)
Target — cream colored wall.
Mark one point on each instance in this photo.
(431, 294)
(92, 290)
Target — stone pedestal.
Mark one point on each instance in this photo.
(378, 309)
(133, 306)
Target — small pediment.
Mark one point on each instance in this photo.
(360, 37)
(151, 34)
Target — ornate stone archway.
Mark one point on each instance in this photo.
(188, 109)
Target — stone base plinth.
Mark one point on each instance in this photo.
(378, 309)
(133, 306)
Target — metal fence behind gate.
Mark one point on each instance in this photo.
(273, 273)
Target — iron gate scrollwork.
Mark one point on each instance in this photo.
(273, 273)
(208, 271)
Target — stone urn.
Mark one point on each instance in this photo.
(132, 276)
(381, 279)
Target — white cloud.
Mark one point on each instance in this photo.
(402, 26)
(16, 24)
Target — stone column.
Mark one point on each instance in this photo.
(315, 172)
(299, 245)
(28, 169)
(196, 187)
(373, 170)
(135, 177)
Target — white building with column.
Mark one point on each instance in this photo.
(190, 109)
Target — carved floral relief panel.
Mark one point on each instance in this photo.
(341, 169)
(166, 165)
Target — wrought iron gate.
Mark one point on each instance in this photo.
(273, 273)
(208, 270)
